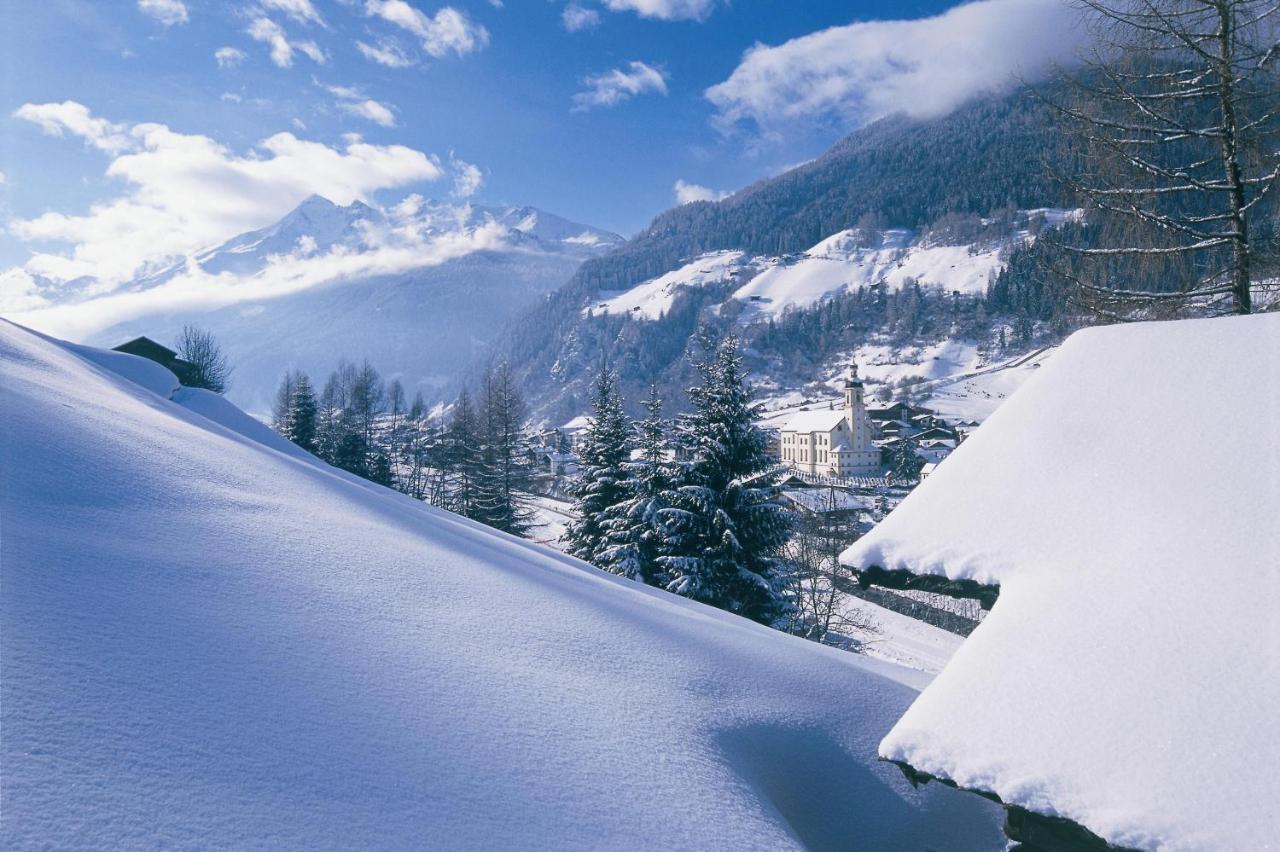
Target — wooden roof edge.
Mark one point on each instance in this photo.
(1035, 830)
(875, 575)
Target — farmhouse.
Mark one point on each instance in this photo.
(145, 347)
(836, 442)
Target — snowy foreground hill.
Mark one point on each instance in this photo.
(212, 639)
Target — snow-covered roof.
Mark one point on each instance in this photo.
(820, 499)
(1129, 675)
(823, 420)
(212, 639)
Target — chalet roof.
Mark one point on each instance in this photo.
(821, 420)
(1129, 671)
(147, 348)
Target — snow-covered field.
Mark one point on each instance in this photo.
(1125, 500)
(210, 639)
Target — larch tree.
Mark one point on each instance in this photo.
(504, 476)
(1177, 113)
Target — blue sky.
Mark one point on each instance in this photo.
(158, 108)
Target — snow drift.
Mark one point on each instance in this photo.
(1126, 500)
(212, 639)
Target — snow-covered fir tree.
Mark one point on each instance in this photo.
(723, 530)
(904, 461)
(632, 540)
(299, 419)
(602, 483)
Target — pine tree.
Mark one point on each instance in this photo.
(602, 482)
(723, 529)
(632, 540)
(300, 419)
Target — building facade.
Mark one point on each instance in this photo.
(835, 442)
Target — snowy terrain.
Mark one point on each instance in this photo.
(845, 260)
(419, 288)
(653, 298)
(213, 640)
(1125, 500)
(957, 381)
(894, 637)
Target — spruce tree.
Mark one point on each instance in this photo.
(300, 417)
(602, 482)
(632, 540)
(904, 461)
(722, 529)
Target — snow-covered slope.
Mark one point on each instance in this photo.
(845, 260)
(1125, 500)
(212, 640)
(419, 288)
(655, 297)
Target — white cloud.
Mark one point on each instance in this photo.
(312, 51)
(273, 35)
(394, 250)
(576, 18)
(386, 52)
(3, 179)
(467, 178)
(378, 113)
(230, 97)
(167, 12)
(614, 87)
(300, 10)
(448, 31)
(229, 57)
(74, 118)
(184, 192)
(352, 100)
(19, 292)
(928, 66)
(687, 193)
(664, 10)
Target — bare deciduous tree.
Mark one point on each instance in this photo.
(1178, 112)
(211, 369)
(820, 610)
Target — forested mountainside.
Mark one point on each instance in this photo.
(959, 180)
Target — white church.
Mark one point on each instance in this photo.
(835, 442)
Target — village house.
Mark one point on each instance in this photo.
(145, 347)
(835, 442)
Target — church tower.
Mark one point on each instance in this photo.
(859, 456)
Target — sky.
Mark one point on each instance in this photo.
(131, 128)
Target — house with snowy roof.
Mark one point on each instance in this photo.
(1127, 676)
(834, 442)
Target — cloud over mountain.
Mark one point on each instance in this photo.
(849, 75)
(186, 191)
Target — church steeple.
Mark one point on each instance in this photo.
(852, 390)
